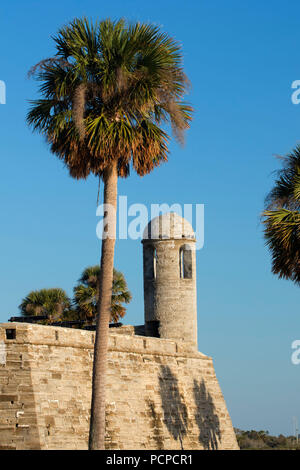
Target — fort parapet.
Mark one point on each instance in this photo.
(161, 393)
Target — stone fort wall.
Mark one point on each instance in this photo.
(160, 393)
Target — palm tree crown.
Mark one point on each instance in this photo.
(106, 92)
(53, 303)
(86, 294)
(282, 219)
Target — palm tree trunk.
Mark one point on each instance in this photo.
(97, 423)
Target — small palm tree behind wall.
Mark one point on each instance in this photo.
(51, 303)
(86, 295)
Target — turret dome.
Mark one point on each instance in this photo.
(168, 226)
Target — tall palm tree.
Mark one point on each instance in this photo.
(282, 219)
(53, 303)
(105, 95)
(86, 295)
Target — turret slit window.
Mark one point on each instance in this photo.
(185, 262)
(150, 260)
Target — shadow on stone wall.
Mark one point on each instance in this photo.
(174, 408)
(19, 427)
(156, 424)
(206, 418)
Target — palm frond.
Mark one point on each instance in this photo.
(286, 190)
(282, 234)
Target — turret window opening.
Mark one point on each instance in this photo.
(150, 262)
(185, 262)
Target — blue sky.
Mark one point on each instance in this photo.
(241, 58)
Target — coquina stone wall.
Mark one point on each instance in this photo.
(161, 393)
